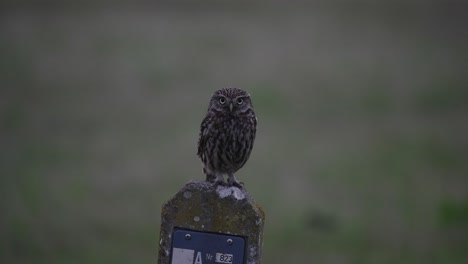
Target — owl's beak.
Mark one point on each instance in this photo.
(230, 107)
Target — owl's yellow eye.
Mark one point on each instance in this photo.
(222, 100)
(239, 101)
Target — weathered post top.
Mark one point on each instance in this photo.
(206, 223)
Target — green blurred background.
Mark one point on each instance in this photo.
(361, 153)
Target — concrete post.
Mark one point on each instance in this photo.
(215, 214)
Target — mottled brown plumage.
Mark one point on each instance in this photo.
(227, 135)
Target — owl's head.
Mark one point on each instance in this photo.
(231, 100)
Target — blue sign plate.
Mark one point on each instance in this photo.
(193, 247)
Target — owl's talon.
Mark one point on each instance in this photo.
(222, 183)
(237, 184)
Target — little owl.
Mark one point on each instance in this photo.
(227, 135)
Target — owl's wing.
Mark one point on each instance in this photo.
(203, 136)
(201, 142)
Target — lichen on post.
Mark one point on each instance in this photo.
(205, 207)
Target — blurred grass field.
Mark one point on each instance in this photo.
(361, 152)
